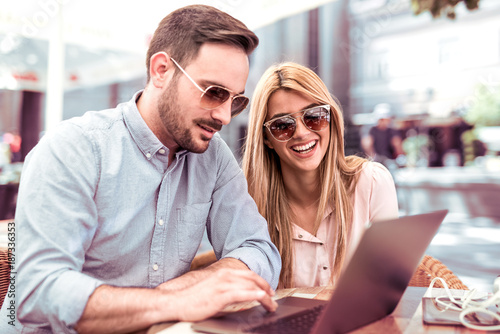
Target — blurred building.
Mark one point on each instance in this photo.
(418, 64)
(367, 52)
(429, 70)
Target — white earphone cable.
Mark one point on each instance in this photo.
(467, 306)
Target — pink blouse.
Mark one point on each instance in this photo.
(374, 199)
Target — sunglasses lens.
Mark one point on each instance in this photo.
(283, 128)
(317, 119)
(239, 104)
(213, 97)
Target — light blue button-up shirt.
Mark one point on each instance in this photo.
(98, 204)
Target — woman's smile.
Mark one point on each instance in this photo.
(304, 148)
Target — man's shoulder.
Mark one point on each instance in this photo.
(91, 127)
(92, 124)
(97, 120)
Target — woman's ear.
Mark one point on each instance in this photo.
(160, 63)
(267, 141)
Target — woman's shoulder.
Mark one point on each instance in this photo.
(375, 195)
(374, 173)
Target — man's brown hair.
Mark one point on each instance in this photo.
(182, 33)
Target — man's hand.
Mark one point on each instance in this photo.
(221, 288)
(194, 296)
(223, 283)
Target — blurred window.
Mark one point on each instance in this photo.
(448, 51)
(378, 66)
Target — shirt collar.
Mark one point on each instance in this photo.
(328, 212)
(145, 139)
(298, 233)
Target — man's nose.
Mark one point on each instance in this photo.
(223, 113)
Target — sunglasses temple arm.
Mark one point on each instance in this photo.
(187, 75)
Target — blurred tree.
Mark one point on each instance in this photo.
(486, 108)
(473, 147)
(417, 149)
(440, 7)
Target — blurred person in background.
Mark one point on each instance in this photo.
(317, 201)
(14, 141)
(383, 143)
(113, 205)
(5, 153)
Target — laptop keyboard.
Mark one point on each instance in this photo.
(297, 323)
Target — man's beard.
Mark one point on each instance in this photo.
(170, 113)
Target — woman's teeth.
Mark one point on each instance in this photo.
(304, 148)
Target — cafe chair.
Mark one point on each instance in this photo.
(430, 268)
(4, 274)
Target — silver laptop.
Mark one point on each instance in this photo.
(369, 289)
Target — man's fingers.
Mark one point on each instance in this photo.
(223, 288)
(249, 276)
(238, 296)
(268, 303)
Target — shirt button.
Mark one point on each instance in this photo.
(155, 267)
(161, 151)
(300, 236)
(325, 267)
(161, 222)
(148, 155)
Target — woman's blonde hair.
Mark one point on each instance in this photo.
(261, 165)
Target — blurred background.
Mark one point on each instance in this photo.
(418, 81)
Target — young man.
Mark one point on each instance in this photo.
(113, 205)
(382, 142)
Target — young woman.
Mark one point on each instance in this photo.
(316, 200)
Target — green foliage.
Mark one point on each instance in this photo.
(473, 147)
(416, 149)
(485, 110)
(440, 7)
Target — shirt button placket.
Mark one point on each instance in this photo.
(155, 266)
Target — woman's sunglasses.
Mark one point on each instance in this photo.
(315, 119)
(214, 96)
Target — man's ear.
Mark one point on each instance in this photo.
(159, 66)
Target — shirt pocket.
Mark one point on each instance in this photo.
(191, 224)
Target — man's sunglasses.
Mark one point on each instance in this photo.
(315, 119)
(214, 96)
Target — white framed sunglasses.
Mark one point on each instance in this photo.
(315, 119)
(214, 96)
